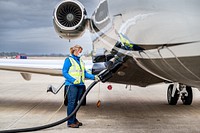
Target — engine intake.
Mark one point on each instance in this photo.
(70, 19)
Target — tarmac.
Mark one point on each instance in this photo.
(123, 110)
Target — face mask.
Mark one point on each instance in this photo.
(80, 55)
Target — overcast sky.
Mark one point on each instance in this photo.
(26, 26)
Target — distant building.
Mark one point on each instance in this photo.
(21, 56)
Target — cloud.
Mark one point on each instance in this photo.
(22, 14)
(40, 40)
(27, 26)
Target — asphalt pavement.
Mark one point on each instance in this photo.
(123, 110)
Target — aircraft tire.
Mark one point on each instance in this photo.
(172, 100)
(187, 100)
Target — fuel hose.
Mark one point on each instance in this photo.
(31, 129)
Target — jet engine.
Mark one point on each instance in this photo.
(69, 19)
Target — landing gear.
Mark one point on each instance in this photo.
(183, 91)
(188, 96)
(172, 95)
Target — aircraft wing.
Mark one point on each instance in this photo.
(50, 67)
(27, 66)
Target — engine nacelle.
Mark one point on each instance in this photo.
(69, 19)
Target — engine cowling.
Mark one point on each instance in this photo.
(69, 19)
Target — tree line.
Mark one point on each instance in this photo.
(11, 54)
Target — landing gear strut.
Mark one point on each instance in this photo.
(183, 91)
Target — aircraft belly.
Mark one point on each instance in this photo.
(184, 70)
(130, 73)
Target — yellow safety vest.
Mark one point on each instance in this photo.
(77, 71)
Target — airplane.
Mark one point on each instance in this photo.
(154, 42)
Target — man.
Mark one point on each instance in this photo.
(74, 73)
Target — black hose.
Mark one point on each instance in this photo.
(55, 123)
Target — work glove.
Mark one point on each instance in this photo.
(96, 78)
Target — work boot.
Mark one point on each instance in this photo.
(79, 123)
(73, 125)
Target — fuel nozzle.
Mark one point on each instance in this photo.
(106, 74)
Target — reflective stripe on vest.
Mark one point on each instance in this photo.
(77, 71)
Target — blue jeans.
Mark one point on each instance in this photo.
(74, 94)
